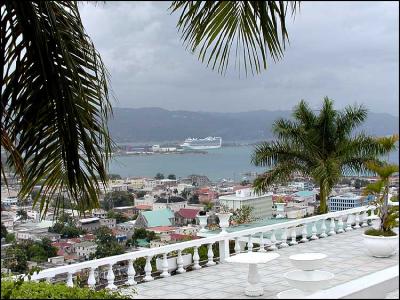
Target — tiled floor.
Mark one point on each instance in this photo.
(346, 259)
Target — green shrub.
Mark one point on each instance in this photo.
(376, 232)
(45, 290)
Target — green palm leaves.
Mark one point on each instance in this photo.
(254, 28)
(55, 102)
(320, 146)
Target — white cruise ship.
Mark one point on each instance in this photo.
(202, 144)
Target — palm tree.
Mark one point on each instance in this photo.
(322, 146)
(55, 88)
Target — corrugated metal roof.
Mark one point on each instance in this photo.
(158, 217)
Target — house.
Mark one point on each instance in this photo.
(161, 217)
(84, 249)
(186, 216)
(174, 203)
(142, 207)
(92, 224)
(128, 211)
(162, 229)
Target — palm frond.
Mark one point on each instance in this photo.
(55, 100)
(258, 29)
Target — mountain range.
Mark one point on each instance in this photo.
(161, 125)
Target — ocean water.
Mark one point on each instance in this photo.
(223, 163)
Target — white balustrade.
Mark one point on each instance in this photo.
(165, 266)
(360, 214)
(273, 242)
(131, 273)
(293, 235)
(314, 231)
(250, 244)
(262, 243)
(284, 243)
(348, 224)
(147, 269)
(196, 258)
(332, 227)
(110, 278)
(304, 234)
(340, 225)
(210, 255)
(237, 245)
(92, 279)
(179, 262)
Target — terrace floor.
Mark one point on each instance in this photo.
(346, 259)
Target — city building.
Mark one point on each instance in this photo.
(161, 217)
(262, 204)
(346, 201)
(174, 203)
(84, 249)
(186, 216)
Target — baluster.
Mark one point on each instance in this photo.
(250, 244)
(357, 221)
(273, 242)
(284, 243)
(70, 283)
(314, 231)
(340, 224)
(179, 262)
(237, 246)
(348, 224)
(147, 269)
(364, 219)
(110, 278)
(332, 227)
(48, 279)
(92, 279)
(323, 229)
(196, 259)
(165, 266)
(210, 255)
(304, 234)
(262, 243)
(293, 234)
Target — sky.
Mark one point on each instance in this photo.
(348, 51)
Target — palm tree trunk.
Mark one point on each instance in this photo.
(322, 200)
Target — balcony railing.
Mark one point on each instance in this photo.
(280, 235)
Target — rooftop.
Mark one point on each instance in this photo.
(346, 259)
(159, 217)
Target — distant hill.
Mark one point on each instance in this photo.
(156, 124)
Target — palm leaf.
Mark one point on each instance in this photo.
(55, 101)
(258, 27)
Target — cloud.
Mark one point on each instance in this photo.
(345, 50)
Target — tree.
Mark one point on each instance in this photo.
(4, 231)
(119, 217)
(55, 91)
(10, 238)
(16, 259)
(22, 214)
(171, 176)
(107, 244)
(116, 199)
(159, 176)
(322, 146)
(245, 182)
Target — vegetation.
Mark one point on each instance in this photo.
(142, 233)
(43, 290)
(245, 182)
(107, 244)
(10, 237)
(119, 217)
(18, 254)
(322, 147)
(22, 214)
(380, 189)
(379, 232)
(171, 176)
(242, 215)
(159, 176)
(116, 199)
(54, 118)
(4, 231)
(194, 199)
(66, 227)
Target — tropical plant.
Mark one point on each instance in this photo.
(322, 146)
(116, 199)
(55, 90)
(208, 206)
(242, 215)
(380, 189)
(4, 231)
(159, 176)
(22, 214)
(55, 102)
(256, 28)
(107, 244)
(223, 209)
(171, 176)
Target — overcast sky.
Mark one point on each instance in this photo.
(348, 51)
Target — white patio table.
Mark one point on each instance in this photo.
(254, 287)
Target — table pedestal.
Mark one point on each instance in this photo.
(254, 287)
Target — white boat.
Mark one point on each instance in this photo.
(202, 144)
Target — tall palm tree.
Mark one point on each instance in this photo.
(321, 146)
(55, 88)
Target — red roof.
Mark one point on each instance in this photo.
(188, 213)
(89, 237)
(60, 252)
(61, 245)
(143, 207)
(161, 228)
(179, 237)
(74, 240)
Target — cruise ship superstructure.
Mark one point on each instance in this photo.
(202, 144)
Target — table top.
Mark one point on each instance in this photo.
(253, 257)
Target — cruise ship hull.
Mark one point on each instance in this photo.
(202, 144)
(200, 147)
